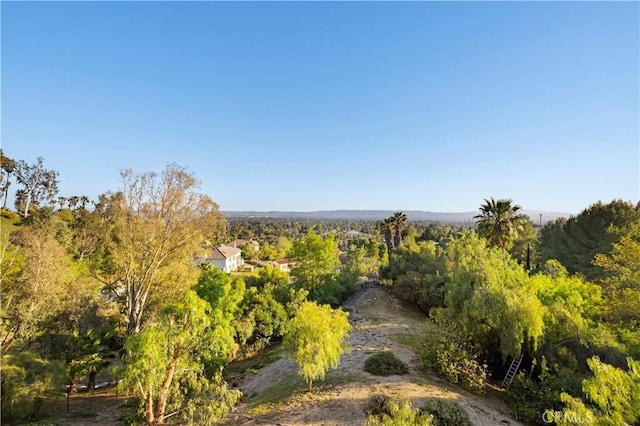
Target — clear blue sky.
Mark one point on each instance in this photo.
(320, 106)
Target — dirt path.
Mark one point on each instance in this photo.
(377, 317)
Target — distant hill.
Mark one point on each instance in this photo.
(416, 215)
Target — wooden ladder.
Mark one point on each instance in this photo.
(513, 369)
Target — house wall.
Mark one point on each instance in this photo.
(228, 265)
(234, 262)
(220, 263)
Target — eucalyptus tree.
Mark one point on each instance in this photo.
(8, 167)
(151, 230)
(35, 270)
(500, 222)
(39, 184)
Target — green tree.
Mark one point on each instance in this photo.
(500, 222)
(316, 261)
(249, 252)
(418, 272)
(283, 246)
(39, 184)
(613, 396)
(315, 339)
(269, 275)
(572, 305)
(8, 167)
(525, 245)
(261, 320)
(35, 269)
(84, 336)
(576, 241)
(267, 252)
(165, 364)
(488, 295)
(26, 378)
(622, 280)
(152, 228)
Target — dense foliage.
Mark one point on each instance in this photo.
(385, 364)
(446, 413)
(315, 339)
(573, 318)
(110, 288)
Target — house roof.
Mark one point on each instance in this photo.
(222, 251)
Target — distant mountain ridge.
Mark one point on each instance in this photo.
(417, 215)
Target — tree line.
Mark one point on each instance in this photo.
(569, 308)
(116, 291)
(110, 287)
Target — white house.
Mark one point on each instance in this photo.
(225, 257)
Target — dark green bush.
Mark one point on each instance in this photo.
(446, 413)
(379, 404)
(529, 398)
(385, 364)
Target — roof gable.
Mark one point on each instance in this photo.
(222, 251)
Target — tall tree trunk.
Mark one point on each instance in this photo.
(6, 192)
(166, 384)
(91, 384)
(26, 205)
(135, 303)
(73, 386)
(310, 383)
(398, 237)
(148, 403)
(389, 240)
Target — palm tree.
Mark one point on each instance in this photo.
(84, 200)
(500, 222)
(387, 228)
(399, 220)
(62, 200)
(73, 201)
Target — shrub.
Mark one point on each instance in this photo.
(448, 353)
(385, 364)
(24, 380)
(530, 398)
(379, 404)
(401, 415)
(446, 413)
(12, 216)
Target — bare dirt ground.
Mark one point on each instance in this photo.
(377, 318)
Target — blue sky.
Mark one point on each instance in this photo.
(330, 105)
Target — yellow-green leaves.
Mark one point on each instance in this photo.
(315, 339)
(489, 295)
(614, 394)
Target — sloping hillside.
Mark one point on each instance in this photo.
(275, 394)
